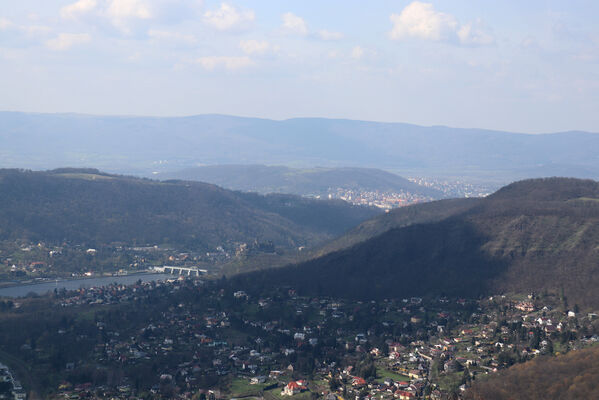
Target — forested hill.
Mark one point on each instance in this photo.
(571, 376)
(398, 217)
(533, 235)
(83, 206)
(301, 181)
(433, 211)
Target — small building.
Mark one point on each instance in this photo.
(292, 388)
(358, 382)
(256, 380)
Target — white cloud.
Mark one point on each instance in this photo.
(123, 9)
(5, 24)
(421, 21)
(472, 35)
(227, 18)
(257, 47)
(132, 16)
(328, 35)
(122, 13)
(294, 24)
(211, 63)
(81, 7)
(65, 41)
(357, 52)
(27, 30)
(171, 36)
(126, 15)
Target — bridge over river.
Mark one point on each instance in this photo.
(189, 271)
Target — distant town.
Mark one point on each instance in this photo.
(389, 200)
(383, 200)
(457, 188)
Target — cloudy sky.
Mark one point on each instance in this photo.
(529, 66)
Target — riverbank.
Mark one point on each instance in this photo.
(37, 281)
(40, 288)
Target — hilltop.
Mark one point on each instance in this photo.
(301, 181)
(535, 235)
(89, 207)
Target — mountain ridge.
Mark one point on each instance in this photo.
(95, 208)
(496, 245)
(143, 145)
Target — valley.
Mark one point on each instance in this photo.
(303, 200)
(412, 303)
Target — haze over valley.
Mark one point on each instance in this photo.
(269, 200)
(141, 145)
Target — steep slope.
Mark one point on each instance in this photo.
(314, 181)
(568, 377)
(433, 211)
(90, 207)
(144, 145)
(396, 218)
(530, 236)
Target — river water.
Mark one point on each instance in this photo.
(72, 284)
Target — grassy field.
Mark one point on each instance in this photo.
(242, 386)
(383, 374)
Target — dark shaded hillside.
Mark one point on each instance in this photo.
(530, 236)
(571, 376)
(441, 258)
(89, 207)
(313, 181)
(398, 218)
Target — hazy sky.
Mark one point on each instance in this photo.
(522, 65)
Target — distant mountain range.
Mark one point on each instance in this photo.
(534, 235)
(313, 181)
(88, 207)
(142, 145)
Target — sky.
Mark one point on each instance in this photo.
(525, 66)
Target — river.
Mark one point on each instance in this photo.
(72, 284)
